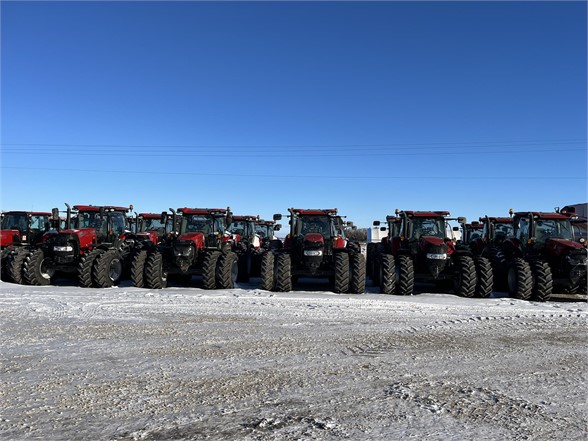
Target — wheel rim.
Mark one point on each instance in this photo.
(115, 270)
(234, 272)
(46, 272)
(512, 280)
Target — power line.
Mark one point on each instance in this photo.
(412, 177)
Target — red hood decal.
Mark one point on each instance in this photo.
(431, 240)
(558, 246)
(314, 237)
(192, 236)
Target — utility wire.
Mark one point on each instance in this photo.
(175, 173)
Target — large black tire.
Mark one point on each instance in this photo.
(85, 267)
(209, 269)
(465, 278)
(485, 276)
(155, 273)
(108, 269)
(341, 282)
(387, 274)
(245, 264)
(370, 252)
(377, 265)
(138, 268)
(520, 279)
(36, 269)
(4, 274)
(404, 276)
(358, 268)
(542, 281)
(228, 270)
(284, 273)
(15, 265)
(267, 271)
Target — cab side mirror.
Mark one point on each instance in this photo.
(277, 217)
(277, 227)
(376, 223)
(55, 214)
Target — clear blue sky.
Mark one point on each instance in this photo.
(468, 107)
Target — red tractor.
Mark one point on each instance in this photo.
(417, 247)
(21, 230)
(315, 247)
(150, 229)
(543, 254)
(202, 246)
(247, 244)
(96, 246)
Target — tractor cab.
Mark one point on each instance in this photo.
(22, 227)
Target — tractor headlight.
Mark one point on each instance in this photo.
(313, 252)
(435, 256)
(66, 249)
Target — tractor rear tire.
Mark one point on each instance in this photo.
(542, 281)
(35, 269)
(387, 274)
(371, 248)
(4, 274)
(520, 279)
(209, 269)
(155, 274)
(341, 284)
(376, 265)
(284, 273)
(108, 269)
(485, 276)
(267, 271)
(404, 276)
(85, 267)
(138, 268)
(15, 265)
(228, 270)
(358, 269)
(465, 277)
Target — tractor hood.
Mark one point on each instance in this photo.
(557, 247)
(428, 241)
(150, 236)
(197, 238)
(314, 239)
(9, 237)
(86, 236)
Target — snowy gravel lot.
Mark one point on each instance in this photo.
(184, 363)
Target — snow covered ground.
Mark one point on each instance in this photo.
(184, 363)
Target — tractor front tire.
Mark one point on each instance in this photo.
(138, 268)
(404, 276)
(35, 269)
(284, 273)
(387, 274)
(520, 279)
(358, 273)
(209, 269)
(542, 281)
(108, 269)
(85, 267)
(15, 265)
(485, 276)
(267, 271)
(155, 274)
(341, 284)
(228, 270)
(465, 277)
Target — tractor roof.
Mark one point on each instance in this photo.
(541, 215)
(150, 215)
(97, 208)
(315, 211)
(474, 227)
(426, 213)
(245, 218)
(209, 211)
(264, 222)
(392, 218)
(498, 220)
(33, 213)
